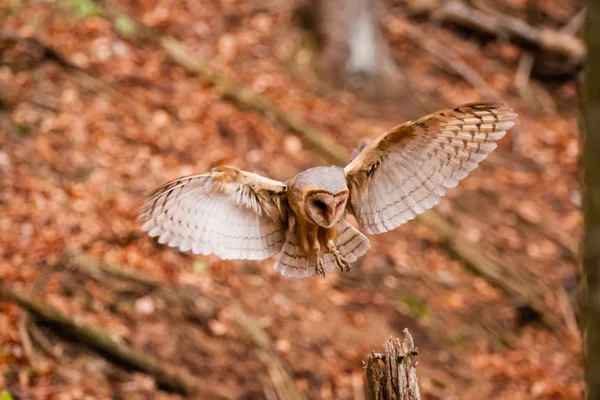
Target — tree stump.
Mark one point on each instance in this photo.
(392, 376)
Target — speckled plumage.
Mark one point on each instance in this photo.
(400, 174)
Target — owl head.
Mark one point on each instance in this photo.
(323, 193)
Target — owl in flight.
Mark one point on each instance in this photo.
(236, 214)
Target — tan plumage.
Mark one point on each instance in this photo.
(405, 171)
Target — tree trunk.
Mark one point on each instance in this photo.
(392, 376)
(591, 204)
(353, 50)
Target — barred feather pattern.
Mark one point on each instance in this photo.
(292, 263)
(408, 169)
(228, 218)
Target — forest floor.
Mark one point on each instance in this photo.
(80, 148)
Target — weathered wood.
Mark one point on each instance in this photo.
(393, 376)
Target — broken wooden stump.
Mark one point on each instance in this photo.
(392, 376)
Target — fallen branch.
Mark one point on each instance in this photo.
(550, 40)
(445, 58)
(245, 97)
(170, 377)
(35, 48)
(568, 242)
(392, 376)
(524, 291)
(203, 307)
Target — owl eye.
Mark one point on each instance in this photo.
(320, 205)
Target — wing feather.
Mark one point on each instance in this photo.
(407, 170)
(231, 213)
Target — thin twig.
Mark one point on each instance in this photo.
(575, 24)
(23, 323)
(282, 383)
(43, 343)
(568, 313)
(523, 75)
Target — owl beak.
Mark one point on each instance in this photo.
(330, 214)
(335, 206)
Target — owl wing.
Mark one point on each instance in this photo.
(407, 170)
(231, 213)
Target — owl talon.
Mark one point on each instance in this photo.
(319, 270)
(341, 262)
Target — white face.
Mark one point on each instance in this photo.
(325, 209)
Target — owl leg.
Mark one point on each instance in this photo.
(319, 268)
(340, 261)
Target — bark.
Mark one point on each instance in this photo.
(591, 199)
(353, 50)
(393, 376)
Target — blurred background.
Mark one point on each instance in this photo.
(100, 102)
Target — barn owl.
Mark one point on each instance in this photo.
(236, 214)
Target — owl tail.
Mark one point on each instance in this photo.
(350, 243)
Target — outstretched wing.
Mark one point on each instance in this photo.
(231, 213)
(407, 170)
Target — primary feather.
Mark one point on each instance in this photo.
(230, 213)
(408, 169)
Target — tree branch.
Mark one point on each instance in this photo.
(201, 308)
(247, 98)
(168, 376)
(445, 59)
(550, 40)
